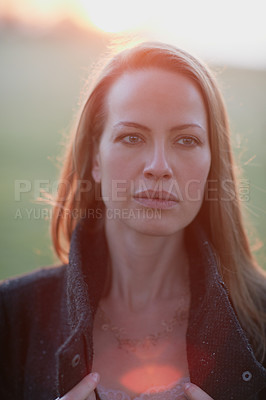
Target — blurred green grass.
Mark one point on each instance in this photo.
(41, 79)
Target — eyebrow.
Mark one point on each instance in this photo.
(143, 127)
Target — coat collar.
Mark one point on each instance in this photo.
(220, 359)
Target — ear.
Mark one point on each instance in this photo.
(96, 165)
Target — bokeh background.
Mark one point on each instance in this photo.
(48, 51)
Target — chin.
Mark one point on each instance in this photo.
(165, 225)
(152, 221)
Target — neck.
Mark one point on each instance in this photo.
(145, 268)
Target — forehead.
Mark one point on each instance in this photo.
(153, 92)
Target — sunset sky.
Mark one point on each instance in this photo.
(231, 31)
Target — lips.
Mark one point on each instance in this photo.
(156, 199)
(156, 195)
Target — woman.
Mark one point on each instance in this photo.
(160, 296)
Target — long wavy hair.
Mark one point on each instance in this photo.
(222, 219)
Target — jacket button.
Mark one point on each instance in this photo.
(75, 360)
(246, 376)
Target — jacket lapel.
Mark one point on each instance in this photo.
(83, 287)
(220, 358)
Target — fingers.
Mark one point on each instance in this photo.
(84, 389)
(193, 392)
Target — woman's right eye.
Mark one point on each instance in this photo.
(131, 139)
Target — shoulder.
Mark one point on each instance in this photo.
(41, 276)
(42, 284)
(43, 272)
(31, 328)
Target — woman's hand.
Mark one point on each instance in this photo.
(193, 392)
(84, 390)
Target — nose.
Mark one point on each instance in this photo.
(157, 165)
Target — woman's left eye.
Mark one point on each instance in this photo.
(188, 141)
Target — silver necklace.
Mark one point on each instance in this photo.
(131, 345)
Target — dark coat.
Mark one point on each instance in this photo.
(47, 319)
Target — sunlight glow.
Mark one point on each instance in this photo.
(115, 16)
(231, 32)
(140, 379)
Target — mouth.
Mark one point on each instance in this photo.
(156, 199)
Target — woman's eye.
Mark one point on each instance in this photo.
(188, 141)
(131, 139)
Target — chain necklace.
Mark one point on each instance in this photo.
(131, 345)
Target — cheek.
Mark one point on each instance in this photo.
(116, 176)
(194, 179)
(116, 167)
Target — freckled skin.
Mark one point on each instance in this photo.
(158, 157)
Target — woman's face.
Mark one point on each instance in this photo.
(154, 157)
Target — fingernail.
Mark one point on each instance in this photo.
(95, 376)
(187, 386)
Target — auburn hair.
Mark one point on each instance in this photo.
(222, 219)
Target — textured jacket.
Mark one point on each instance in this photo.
(47, 320)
